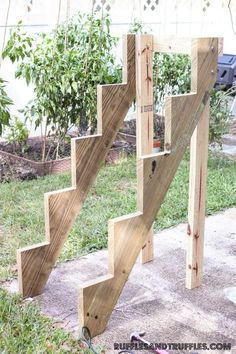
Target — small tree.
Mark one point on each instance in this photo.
(65, 67)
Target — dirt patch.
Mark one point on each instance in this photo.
(33, 147)
(24, 162)
(10, 172)
(129, 127)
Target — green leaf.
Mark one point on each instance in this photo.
(75, 86)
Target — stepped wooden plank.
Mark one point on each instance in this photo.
(97, 299)
(144, 120)
(62, 207)
(197, 198)
(127, 235)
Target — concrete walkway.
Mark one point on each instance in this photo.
(155, 299)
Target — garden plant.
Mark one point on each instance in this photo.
(65, 66)
(5, 102)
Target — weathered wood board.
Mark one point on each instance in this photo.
(144, 120)
(35, 263)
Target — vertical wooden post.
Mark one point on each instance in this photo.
(197, 198)
(144, 123)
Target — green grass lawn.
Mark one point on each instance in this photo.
(24, 331)
(22, 328)
(113, 194)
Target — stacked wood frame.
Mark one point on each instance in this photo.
(186, 116)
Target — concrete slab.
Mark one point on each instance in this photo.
(229, 139)
(229, 151)
(154, 298)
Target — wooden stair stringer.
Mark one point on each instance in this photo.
(127, 234)
(35, 262)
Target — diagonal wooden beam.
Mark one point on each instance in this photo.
(127, 234)
(35, 263)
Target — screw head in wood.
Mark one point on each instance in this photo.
(168, 146)
(188, 230)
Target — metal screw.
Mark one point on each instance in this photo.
(212, 49)
(212, 72)
(167, 146)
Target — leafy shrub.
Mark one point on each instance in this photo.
(65, 67)
(17, 134)
(219, 115)
(136, 27)
(5, 102)
(171, 75)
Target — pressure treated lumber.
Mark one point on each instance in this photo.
(197, 199)
(144, 120)
(173, 45)
(128, 234)
(144, 94)
(35, 263)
